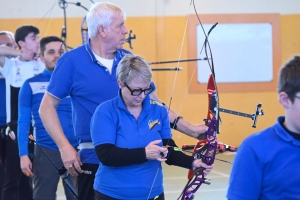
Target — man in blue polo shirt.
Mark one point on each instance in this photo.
(45, 176)
(88, 75)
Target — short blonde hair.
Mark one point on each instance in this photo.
(132, 67)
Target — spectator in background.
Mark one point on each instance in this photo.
(45, 176)
(6, 39)
(16, 71)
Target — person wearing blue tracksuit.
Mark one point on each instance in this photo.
(45, 176)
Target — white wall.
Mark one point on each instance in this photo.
(38, 8)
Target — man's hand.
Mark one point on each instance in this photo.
(71, 160)
(26, 165)
(51, 122)
(154, 152)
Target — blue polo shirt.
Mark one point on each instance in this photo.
(2, 102)
(30, 98)
(266, 166)
(81, 76)
(112, 123)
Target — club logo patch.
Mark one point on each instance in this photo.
(152, 123)
(156, 102)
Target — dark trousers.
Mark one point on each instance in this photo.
(86, 181)
(46, 177)
(2, 148)
(1, 179)
(16, 186)
(100, 196)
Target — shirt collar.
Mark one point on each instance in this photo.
(47, 73)
(90, 52)
(283, 133)
(118, 55)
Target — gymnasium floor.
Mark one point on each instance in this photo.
(175, 180)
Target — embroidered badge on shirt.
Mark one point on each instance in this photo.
(156, 102)
(152, 123)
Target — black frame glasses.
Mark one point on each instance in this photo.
(137, 92)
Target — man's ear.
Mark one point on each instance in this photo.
(21, 43)
(42, 58)
(101, 30)
(284, 100)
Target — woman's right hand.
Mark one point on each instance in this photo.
(155, 152)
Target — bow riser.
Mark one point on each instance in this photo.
(210, 146)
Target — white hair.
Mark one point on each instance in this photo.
(102, 13)
(7, 33)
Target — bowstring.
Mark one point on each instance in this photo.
(211, 67)
(173, 87)
(50, 10)
(48, 22)
(178, 63)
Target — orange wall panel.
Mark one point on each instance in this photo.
(159, 39)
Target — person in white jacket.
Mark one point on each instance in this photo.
(16, 70)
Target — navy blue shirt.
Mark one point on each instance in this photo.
(81, 76)
(30, 98)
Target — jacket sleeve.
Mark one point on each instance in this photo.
(24, 117)
(110, 155)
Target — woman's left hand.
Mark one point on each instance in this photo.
(207, 168)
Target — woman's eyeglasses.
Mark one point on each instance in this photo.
(137, 92)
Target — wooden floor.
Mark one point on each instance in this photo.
(175, 179)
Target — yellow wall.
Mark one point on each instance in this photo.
(160, 38)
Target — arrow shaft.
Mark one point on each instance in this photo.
(235, 113)
(175, 61)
